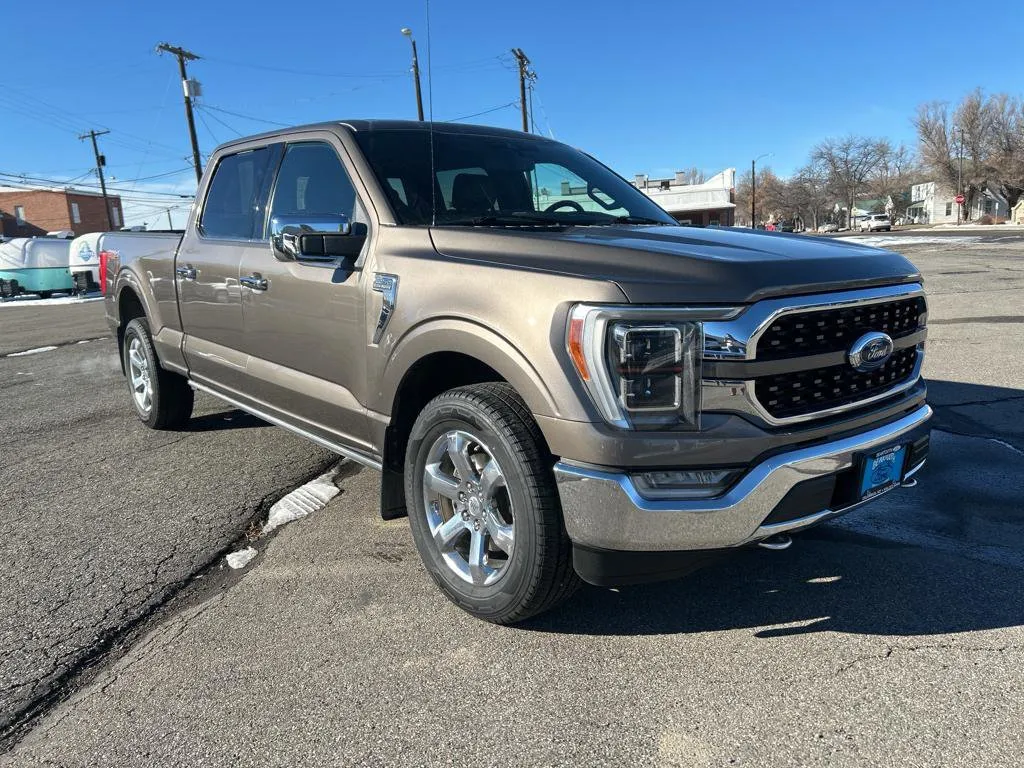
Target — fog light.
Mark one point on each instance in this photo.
(684, 484)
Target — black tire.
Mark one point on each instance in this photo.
(538, 575)
(171, 398)
(45, 294)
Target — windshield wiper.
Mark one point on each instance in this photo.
(508, 219)
(640, 220)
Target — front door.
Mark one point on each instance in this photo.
(206, 268)
(304, 326)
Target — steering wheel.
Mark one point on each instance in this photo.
(564, 204)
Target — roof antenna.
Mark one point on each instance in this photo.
(430, 100)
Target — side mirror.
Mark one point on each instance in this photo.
(318, 238)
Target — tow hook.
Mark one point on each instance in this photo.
(777, 543)
(910, 482)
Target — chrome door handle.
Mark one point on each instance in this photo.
(187, 272)
(255, 282)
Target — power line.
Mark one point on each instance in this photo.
(206, 125)
(61, 184)
(246, 117)
(307, 73)
(203, 109)
(484, 112)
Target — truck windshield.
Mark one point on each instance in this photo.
(483, 179)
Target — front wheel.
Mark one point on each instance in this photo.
(483, 505)
(162, 400)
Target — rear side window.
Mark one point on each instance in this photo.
(232, 204)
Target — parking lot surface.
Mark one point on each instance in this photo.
(892, 636)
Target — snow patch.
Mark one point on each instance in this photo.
(241, 558)
(31, 300)
(886, 240)
(303, 501)
(35, 351)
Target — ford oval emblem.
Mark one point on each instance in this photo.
(870, 351)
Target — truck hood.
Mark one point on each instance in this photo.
(671, 265)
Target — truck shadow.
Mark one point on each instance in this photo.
(223, 420)
(830, 580)
(945, 557)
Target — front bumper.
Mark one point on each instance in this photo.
(604, 510)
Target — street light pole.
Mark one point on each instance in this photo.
(753, 189)
(960, 178)
(415, 72)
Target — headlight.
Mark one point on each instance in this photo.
(641, 366)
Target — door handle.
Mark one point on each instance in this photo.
(188, 272)
(255, 282)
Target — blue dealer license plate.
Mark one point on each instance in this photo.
(882, 471)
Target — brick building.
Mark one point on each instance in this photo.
(32, 212)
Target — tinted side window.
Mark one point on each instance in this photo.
(231, 208)
(312, 181)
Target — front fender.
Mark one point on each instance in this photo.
(484, 344)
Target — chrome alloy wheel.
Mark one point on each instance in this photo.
(139, 374)
(468, 507)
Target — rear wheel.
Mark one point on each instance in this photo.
(162, 400)
(483, 505)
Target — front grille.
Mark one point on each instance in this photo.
(802, 392)
(830, 330)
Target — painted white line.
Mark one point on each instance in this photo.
(35, 351)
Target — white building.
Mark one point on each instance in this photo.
(934, 203)
(711, 203)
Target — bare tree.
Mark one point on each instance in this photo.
(988, 131)
(849, 163)
(811, 194)
(693, 176)
(897, 171)
(770, 199)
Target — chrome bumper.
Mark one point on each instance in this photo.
(604, 509)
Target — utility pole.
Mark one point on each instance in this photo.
(524, 75)
(960, 179)
(415, 72)
(170, 224)
(184, 56)
(100, 162)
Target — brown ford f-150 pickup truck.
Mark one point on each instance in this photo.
(557, 381)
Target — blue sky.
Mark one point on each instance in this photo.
(645, 86)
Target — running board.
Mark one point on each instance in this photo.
(348, 453)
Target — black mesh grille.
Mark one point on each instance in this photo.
(832, 330)
(803, 392)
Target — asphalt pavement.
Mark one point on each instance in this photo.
(890, 637)
(30, 324)
(103, 520)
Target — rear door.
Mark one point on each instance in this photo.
(206, 267)
(304, 321)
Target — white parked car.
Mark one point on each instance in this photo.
(876, 222)
(828, 227)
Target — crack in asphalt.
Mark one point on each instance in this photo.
(56, 345)
(892, 649)
(47, 689)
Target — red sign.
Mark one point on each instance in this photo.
(960, 199)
